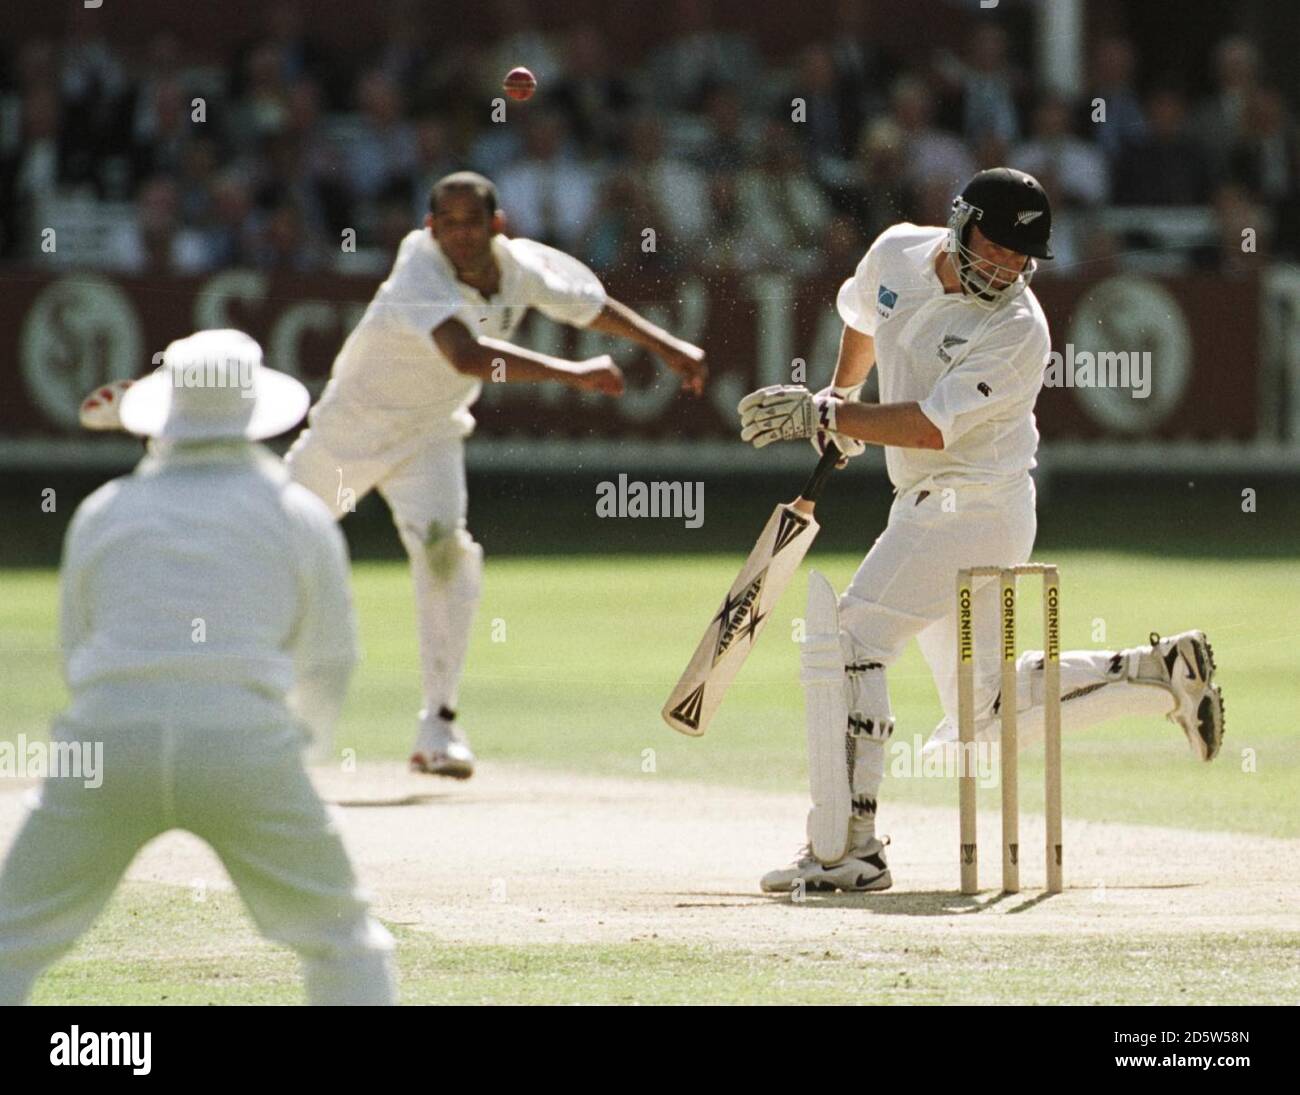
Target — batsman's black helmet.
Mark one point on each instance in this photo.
(1011, 209)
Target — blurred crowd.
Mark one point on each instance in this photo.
(296, 147)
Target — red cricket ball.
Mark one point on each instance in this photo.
(520, 84)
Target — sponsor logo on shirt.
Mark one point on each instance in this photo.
(886, 298)
(949, 342)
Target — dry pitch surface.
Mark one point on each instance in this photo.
(527, 858)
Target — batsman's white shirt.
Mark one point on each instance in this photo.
(391, 386)
(976, 373)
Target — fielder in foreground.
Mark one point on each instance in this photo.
(207, 629)
(960, 341)
(396, 410)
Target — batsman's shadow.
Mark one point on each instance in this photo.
(915, 903)
(422, 798)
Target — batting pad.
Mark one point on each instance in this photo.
(827, 718)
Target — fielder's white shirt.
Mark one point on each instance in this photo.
(206, 586)
(975, 373)
(390, 383)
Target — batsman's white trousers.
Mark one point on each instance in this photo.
(906, 587)
(246, 793)
(423, 483)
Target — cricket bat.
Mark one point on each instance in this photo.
(735, 627)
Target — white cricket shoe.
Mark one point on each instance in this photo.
(1187, 660)
(441, 750)
(861, 871)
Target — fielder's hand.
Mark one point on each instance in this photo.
(597, 374)
(687, 361)
(848, 446)
(100, 409)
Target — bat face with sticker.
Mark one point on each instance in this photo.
(745, 609)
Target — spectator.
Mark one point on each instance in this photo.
(159, 243)
(699, 58)
(1218, 122)
(936, 164)
(731, 245)
(195, 180)
(677, 190)
(782, 203)
(859, 69)
(159, 145)
(262, 110)
(725, 142)
(93, 89)
(615, 237)
(407, 41)
(1071, 169)
(1112, 82)
(986, 86)
(231, 237)
(830, 127)
(296, 56)
(36, 167)
(283, 243)
(285, 180)
(1265, 157)
(519, 41)
(433, 160)
(546, 196)
(884, 195)
(1167, 167)
(1266, 160)
(381, 155)
(1236, 211)
(592, 97)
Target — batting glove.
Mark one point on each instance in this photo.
(783, 412)
(848, 446)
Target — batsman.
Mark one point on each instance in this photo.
(947, 318)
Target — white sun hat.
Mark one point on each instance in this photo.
(213, 385)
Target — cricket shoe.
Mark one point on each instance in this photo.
(440, 750)
(1187, 661)
(862, 871)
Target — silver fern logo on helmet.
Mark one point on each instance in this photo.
(976, 274)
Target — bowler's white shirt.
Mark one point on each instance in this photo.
(390, 384)
(205, 587)
(976, 373)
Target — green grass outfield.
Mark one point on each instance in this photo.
(573, 657)
(571, 660)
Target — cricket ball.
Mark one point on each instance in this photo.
(519, 84)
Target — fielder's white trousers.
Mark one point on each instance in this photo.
(424, 485)
(246, 793)
(906, 587)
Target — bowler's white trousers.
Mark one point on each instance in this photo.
(906, 587)
(423, 482)
(242, 790)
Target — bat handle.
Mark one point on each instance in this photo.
(821, 473)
